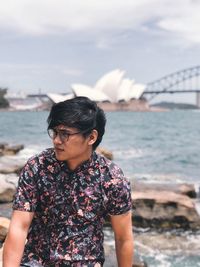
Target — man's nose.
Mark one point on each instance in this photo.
(57, 139)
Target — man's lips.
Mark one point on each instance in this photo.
(58, 149)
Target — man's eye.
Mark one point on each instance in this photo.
(64, 133)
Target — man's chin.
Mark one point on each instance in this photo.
(59, 156)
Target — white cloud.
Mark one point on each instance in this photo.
(47, 16)
(185, 23)
(72, 72)
(97, 18)
(33, 76)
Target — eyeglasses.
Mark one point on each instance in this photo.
(63, 134)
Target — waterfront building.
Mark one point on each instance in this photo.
(111, 92)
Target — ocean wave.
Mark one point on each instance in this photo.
(171, 249)
(129, 153)
(159, 177)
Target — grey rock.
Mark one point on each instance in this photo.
(182, 188)
(10, 165)
(7, 188)
(164, 207)
(6, 149)
(4, 224)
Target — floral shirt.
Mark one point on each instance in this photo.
(69, 207)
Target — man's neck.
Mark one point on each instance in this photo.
(75, 163)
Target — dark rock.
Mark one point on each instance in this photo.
(183, 188)
(11, 164)
(161, 209)
(3, 145)
(10, 168)
(7, 189)
(6, 149)
(4, 224)
(106, 153)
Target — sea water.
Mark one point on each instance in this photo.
(148, 146)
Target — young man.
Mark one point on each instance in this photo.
(65, 193)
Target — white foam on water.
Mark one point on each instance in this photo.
(197, 189)
(193, 241)
(159, 177)
(197, 200)
(176, 249)
(197, 206)
(146, 248)
(128, 153)
(162, 259)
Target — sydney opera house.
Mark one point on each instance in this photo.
(112, 92)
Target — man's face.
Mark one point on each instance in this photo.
(70, 144)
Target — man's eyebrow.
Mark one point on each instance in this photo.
(62, 129)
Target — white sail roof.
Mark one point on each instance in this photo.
(124, 90)
(110, 83)
(56, 98)
(94, 95)
(112, 87)
(137, 90)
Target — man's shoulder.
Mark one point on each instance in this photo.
(45, 156)
(109, 167)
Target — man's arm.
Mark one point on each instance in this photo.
(16, 238)
(122, 227)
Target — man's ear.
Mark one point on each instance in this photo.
(93, 137)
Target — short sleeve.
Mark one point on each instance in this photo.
(26, 196)
(118, 193)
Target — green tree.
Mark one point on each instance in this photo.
(3, 101)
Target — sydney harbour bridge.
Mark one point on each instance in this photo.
(184, 81)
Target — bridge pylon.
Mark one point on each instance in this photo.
(198, 99)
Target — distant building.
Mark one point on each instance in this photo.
(21, 101)
(112, 92)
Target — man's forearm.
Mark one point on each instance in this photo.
(124, 252)
(13, 248)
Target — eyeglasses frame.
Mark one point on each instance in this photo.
(62, 138)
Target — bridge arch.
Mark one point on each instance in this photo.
(166, 83)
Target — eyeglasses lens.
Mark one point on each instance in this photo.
(63, 134)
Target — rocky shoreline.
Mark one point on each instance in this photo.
(165, 206)
(156, 207)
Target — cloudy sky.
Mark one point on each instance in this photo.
(47, 45)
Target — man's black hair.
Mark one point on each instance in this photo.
(80, 113)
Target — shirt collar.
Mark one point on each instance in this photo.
(83, 166)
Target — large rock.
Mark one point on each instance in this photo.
(10, 167)
(183, 188)
(7, 188)
(164, 207)
(106, 153)
(4, 224)
(11, 164)
(6, 149)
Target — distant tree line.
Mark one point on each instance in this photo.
(172, 105)
(3, 101)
